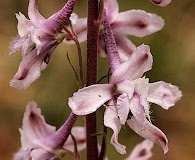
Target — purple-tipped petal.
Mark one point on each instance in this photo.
(161, 3)
(138, 23)
(34, 127)
(112, 8)
(163, 94)
(31, 66)
(141, 151)
(139, 123)
(111, 120)
(89, 99)
(147, 130)
(139, 63)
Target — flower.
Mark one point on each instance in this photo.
(132, 22)
(141, 151)
(38, 37)
(37, 137)
(128, 96)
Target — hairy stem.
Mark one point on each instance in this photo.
(92, 43)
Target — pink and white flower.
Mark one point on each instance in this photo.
(38, 37)
(37, 137)
(128, 96)
(138, 23)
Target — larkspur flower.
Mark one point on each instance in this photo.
(128, 98)
(132, 22)
(38, 37)
(40, 141)
(141, 151)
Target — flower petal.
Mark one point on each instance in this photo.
(112, 8)
(31, 66)
(29, 70)
(161, 3)
(89, 99)
(36, 18)
(42, 154)
(147, 130)
(139, 63)
(142, 126)
(111, 120)
(80, 29)
(138, 23)
(141, 88)
(23, 25)
(125, 46)
(122, 107)
(80, 135)
(141, 151)
(22, 154)
(34, 125)
(163, 94)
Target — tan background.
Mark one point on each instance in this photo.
(173, 49)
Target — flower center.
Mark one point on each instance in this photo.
(59, 37)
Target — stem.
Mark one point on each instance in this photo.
(92, 43)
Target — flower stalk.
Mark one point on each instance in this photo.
(92, 50)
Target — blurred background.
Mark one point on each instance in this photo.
(173, 49)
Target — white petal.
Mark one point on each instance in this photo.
(138, 23)
(112, 9)
(34, 125)
(23, 25)
(41, 154)
(139, 63)
(141, 88)
(34, 15)
(147, 130)
(89, 99)
(111, 120)
(122, 107)
(163, 94)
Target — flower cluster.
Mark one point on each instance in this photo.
(126, 97)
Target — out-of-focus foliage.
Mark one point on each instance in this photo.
(173, 49)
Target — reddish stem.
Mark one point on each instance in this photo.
(92, 43)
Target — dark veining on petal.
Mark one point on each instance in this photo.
(161, 139)
(157, 1)
(140, 24)
(142, 153)
(143, 59)
(23, 75)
